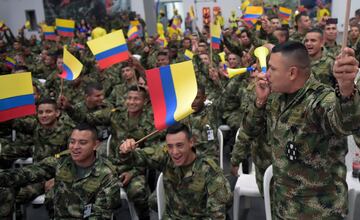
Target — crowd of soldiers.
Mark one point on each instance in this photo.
(306, 104)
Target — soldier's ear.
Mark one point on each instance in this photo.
(97, 144)
(293, 72)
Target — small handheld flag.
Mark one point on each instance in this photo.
(10, 62)
(162, 41)
(16, 96)
(109, 49)
(285, 13)
(215, 35)
(172, 90)
(71, 66)
(133, 33)
(253, 12)
(188, 54)
(65, 27)
(49, 32)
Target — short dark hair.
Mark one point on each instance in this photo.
(89, 89)
(47, 100)
(316, 30)
(201, 88)
(285, 31)
(179, 127)
(357, 12)
(87, 127)
(296, 51)
(139, 89)
(298, 16)
(162, 53)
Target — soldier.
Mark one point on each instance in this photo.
(85, 183)
(302, 24)
(321, 61)
(354, 39)
(189, 178)
(330, 35)
(302, 119)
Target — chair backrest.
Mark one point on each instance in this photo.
(160, 195)
(108, 145)
(266, 184)
(220, 137)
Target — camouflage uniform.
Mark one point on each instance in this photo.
(203, 128)
(123, 127)
(197, 191)
(118, 94)
(333, 49)
(298, 37)
(309, 171)
(322, 68)
(73, 191)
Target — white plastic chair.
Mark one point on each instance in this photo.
(39, 200)
(245, 186)
(132, 210)
(108, 145)
(160, 196)
(266, 185)
(220, 138)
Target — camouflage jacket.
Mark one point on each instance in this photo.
(322, 69)
(197, 191)
(296, 36)
(335, 50)
(93, 196)
(309, 170)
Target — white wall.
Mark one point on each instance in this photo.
(12, 12)
(338, 11)
(138, 6)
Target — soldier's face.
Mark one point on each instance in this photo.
(162, 60)
(305, 22)
(244, 39)
(95, 99)
(180, 149)
(135, 102)
(354, 32)
(233, 61)
(127, 73)
(47, 115)
(205, 59)
(82, 145)
(313, 43)
(275, 22)
(186, 44)
(277, 73)
(330, 32)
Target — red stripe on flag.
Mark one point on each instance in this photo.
(66, 34)
(17, 112)
(157, 97)
(215, 45)
(109, 61)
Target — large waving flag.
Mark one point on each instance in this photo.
(109, 49)
(172, 90)
(253, 12)
(215, 35)
(16, 96)
(285, 13)
(65, 27)
(49, 32)
(71, 66)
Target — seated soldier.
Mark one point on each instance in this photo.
(195, 186)
(86, 185)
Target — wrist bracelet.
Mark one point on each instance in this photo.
(347, 98)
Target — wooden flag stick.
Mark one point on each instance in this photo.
(346, 24)
(146, 137)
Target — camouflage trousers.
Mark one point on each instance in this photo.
(8, 197)
(138, 192)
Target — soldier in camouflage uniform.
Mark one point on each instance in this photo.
(85, 183)
(321, 60)
(49, 136)
(302, 119)
(354, 40)
(195, 187)
(330, 35)
(303, 24)
(135, 122)
(203, 125)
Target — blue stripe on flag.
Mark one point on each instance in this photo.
(16, 101)
(111, 52)
(169, 93)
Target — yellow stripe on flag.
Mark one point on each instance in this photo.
(15, 85)
(189, 54)
(46, 28)
(65, 23)
(185, 88)
(106, 42)
(74, 64)
(215, 30)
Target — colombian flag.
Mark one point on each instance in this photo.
(71, 66)
(16, 96)
(10, 62)
(253, 12)
(133, 33)
(109, 49)
(285, 13)
(49, 32)
(215, 36)
(172, 90)
(162, 40)
(65, 27)
(188, 55)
